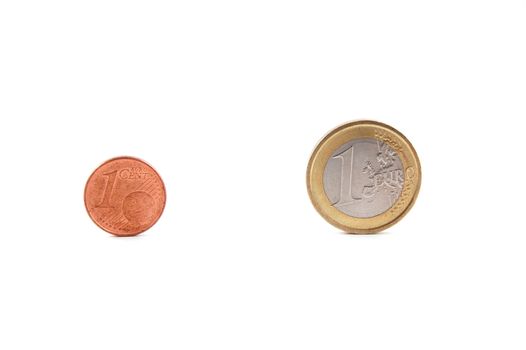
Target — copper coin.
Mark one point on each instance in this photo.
(125, 196)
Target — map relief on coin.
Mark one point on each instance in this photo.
(125, 196)
(363, 178)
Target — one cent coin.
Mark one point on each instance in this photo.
(363, 177)
(125, 196)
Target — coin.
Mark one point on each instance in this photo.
(363, 177)
(125, 196)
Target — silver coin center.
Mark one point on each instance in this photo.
(363, 178)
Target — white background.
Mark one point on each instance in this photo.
(226, 99)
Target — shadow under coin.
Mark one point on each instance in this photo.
(374, 234)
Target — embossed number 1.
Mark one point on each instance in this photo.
(109, 189)
(347, 163)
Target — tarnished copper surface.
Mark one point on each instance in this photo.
(125, 196)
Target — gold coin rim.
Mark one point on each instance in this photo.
(356, 130)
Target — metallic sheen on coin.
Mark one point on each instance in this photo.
(125, 196)
(363, 177)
